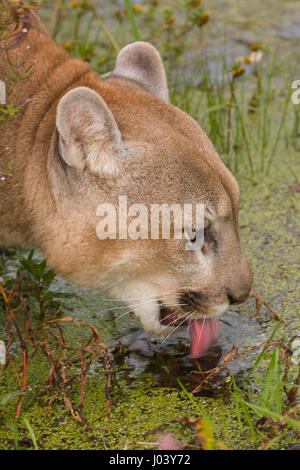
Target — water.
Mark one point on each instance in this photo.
(168, 360)
(143, 356)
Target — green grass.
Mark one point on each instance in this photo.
(257, 399)
(257, 133)
(250, 118)
(131, 19)
(31, 433)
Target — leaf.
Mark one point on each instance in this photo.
(49, 276)
(8, 397)
(205, 434)
(31, 432)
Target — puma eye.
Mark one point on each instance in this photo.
(209, 240)
(193, 237)
(190, 236)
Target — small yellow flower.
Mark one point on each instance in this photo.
(203, 19)
(252, 58)
(196, 3)
(228, 103)
(74, 4)
(237, 72)
(246, 60)
(170, 20)
(137, 8)
(256, 46)
(67, 46)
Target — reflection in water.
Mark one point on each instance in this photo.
(166, 361)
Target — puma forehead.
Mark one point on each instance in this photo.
(80, 142)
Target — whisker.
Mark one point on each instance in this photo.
(130, 310)
(123, 314)
(156, 296)
(146, 301)
(174, 329)
(188, 328)
(114, 266)
(185, 319)
(202, 326)
(170, 314)
(122, 307)
(132, 306)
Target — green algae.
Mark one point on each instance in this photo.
(136, 417)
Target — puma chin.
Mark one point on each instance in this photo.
(79, 141)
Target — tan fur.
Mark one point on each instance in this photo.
(71, 152)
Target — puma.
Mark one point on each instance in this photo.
(79, 141)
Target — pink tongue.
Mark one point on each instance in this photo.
(204, 333)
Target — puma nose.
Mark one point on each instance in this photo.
(235, 301)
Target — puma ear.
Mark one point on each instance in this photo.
(141, 62)
(88, 133)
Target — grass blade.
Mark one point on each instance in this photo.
(262, 411)
(261, 355)
(16, 435)
(131, 17)
(236, 402)
(243, 403)
(108, 35)
(244, 133)
(269, 379)
(202, 413)
(283, 117)
(31, 432)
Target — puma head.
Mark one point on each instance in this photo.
(122, 137)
